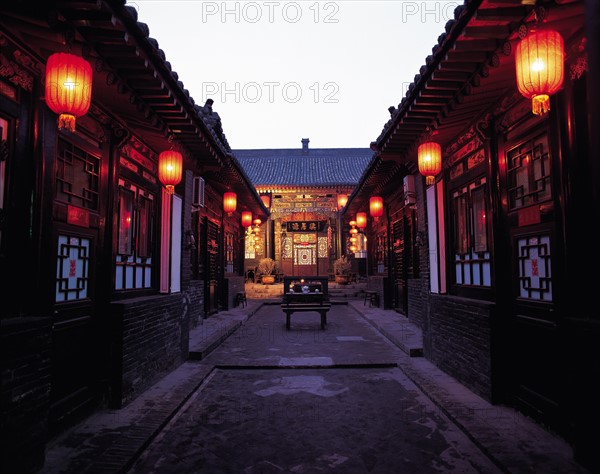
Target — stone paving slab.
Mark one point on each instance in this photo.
(212, 331)
(311, 420)
(111, 440)
(264, 341)
(396, 327)
(514, 442)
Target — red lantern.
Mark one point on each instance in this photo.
(376, 207)
(170, 167)
(361, 220)
(229, 202)
(246, 218)
(430, 161)
(68, 87)
(342, 200)
(539, 60)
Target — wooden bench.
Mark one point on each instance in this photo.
(290, 308)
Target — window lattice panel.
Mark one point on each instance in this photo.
(529, 173)
(323, 247)
(72, 268)
(77, 176)
(535, 275)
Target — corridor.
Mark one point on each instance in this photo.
(306, 401)
(256, 398)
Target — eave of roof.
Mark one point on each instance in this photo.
(132, 80)
(470, 71)
(319, 167)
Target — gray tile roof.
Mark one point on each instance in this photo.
(319, 167)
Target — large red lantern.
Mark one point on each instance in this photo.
(361, 220)
(246, 218)
(430, 161)
(229, 202)
(342, 200)
(376, 207)
(170, 168)
(68, 87)
(539, 60)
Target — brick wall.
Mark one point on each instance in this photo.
(418, 292)
(24, 392)
(233, 284)
(195, 302)
(458, 340)
(377, 283)
(152, 338)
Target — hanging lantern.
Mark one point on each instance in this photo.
(376, 207)
(229, 202)
(430, 161)
(170, 165)
(342, 200)
(361, 220)
(540, 59)
(353, 231)
(68, 87)
(246, 218)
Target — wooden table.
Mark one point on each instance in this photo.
(312, 301)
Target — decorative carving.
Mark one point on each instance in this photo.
(580, 64)
(515, 107)
(100, 115)
(120, 135)
(27, 61)
(483, 126)
(15, 74)
(136, 151)
(465, 138)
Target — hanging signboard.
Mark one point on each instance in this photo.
(304, 226)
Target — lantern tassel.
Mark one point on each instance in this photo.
(66, 121)
(540, 104)
(429, 180)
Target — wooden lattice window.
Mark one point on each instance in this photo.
(469, 234)
(529, 173)
(72, 268)
(133, 269)
(77, 176)
(535, 272)
(229, 252)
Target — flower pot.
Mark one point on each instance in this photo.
(342, 279)
(268, 279)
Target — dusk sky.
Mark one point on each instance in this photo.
(281, 71)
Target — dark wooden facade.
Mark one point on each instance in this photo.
(102, 273)
(490, 260)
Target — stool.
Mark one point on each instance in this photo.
(372, 297)
(240, 299)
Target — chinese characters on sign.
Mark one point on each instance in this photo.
(304, 226)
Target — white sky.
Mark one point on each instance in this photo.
(281, 71)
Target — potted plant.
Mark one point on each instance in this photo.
(342, 268)
(266, 266)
